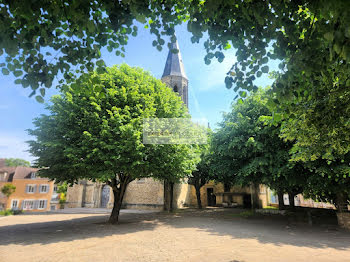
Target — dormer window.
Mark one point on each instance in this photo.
(33, 175)
(176, 89)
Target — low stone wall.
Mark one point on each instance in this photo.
(344, 220)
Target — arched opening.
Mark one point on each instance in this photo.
(105, 196)
(176, 89)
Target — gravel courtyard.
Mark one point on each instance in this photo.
(209, 235)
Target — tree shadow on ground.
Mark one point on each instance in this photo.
(215, 222)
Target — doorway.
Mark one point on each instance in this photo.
(105, 196)
(211, 198)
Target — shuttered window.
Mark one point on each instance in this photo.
(42, 204)
(14, 204)
(30, 189)
(28, 204)
(44, 188)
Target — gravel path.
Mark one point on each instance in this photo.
(210, 235)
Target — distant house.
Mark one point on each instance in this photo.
(32, 193)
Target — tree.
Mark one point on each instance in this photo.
(329, 181)
(96, 133)
(8, 190)
(202, 174)
(42, 39)
(253, 151)
(294, 32)
(16, 162)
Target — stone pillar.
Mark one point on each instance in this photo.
(344, 220)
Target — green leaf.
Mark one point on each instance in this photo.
(42, 91)
(5, 71)
(265, 69)
(17, 73)
(329, 36)
(243, 93)
(265, 60)
(100, 63)
(39, 99)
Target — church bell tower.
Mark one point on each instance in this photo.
(174, 73)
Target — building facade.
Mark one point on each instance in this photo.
(32, 193)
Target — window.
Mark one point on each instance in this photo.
(28, 204)
(176, 89)
(33, 175)
(55, 188)
(44, 188)
(42, 204)
(30, 189)
(14, 204)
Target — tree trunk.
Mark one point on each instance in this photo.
(198, 194)
(171, 196)
(118, 193)
(256, 202)
(341, 203)
(291, 200)
(281, 205)
(168, 195)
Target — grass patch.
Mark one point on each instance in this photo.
(10, 212)
(270, 207)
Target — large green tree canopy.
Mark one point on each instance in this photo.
(97, 133)
(311, 39)
(248, 151)
(76, 30)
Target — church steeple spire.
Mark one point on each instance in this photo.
(174, 73)
(174, 65)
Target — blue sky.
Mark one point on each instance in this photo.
(208, 96)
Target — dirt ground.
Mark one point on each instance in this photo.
(209, 235)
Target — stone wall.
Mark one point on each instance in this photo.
(74, 196)
(145, 193)
(344, 220)
(148, 193)
(182, 195)
(84, 194)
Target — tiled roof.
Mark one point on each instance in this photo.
(19, 172)
(10, 170)
(23, 172)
